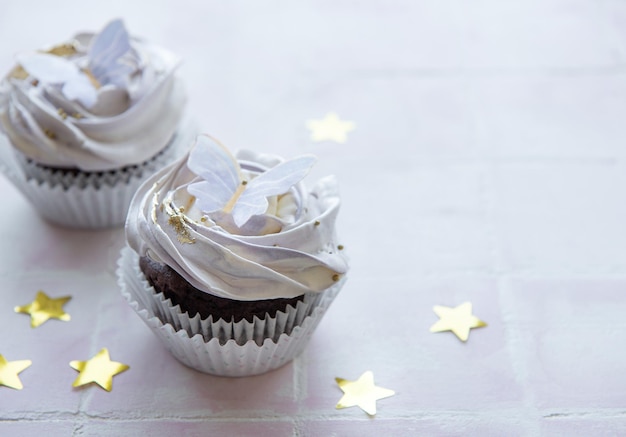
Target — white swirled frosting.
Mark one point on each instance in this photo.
(289, 250)
(127, 125)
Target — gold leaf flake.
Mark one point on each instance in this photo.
(178, 221)
(67, 49)
(181, 228)
(18, 72)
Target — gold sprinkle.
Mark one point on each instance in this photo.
(181, 209)
(62, 113)
(340, 247)
(335, 277)
(244, 182)
(275, 245)
(77, 115)
(67, 49)
(50, 134)
(203, 219)
(317, 223)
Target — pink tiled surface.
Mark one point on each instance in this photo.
(560, 323)
(488, 165)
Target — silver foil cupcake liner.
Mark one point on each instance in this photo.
(220, 347)
(85, 200)
(68, 178)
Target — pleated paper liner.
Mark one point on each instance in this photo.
(95, 179)
(86, 200)
(219, 347)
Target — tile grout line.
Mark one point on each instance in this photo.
(505, 416)
(300, 387)
(476, 72)
(512, 330)
(88, 392)
(488, 196)
(502, 271)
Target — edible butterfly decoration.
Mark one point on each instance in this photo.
(103, 66)
(224, 187)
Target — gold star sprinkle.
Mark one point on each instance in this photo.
(362, 393)
(458, 320)
(43, 308)
(99, 369)
(9, 371)
(330, 128)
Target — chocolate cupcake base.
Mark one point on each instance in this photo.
(166, 280)
(216, 346)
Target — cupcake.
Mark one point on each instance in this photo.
(230, 261)
(87, 121)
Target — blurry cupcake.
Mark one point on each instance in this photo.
(232, 262)
(87, 121)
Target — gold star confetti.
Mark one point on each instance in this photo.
(458, 320)
(99, 369)
(43, 308)
(9, 371)
(330, 128)
(362, 393)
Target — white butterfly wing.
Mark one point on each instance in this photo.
(107, 47)
(277, 180)
(220, 171)
(81, 90)
(48, 68)
(56, 70)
